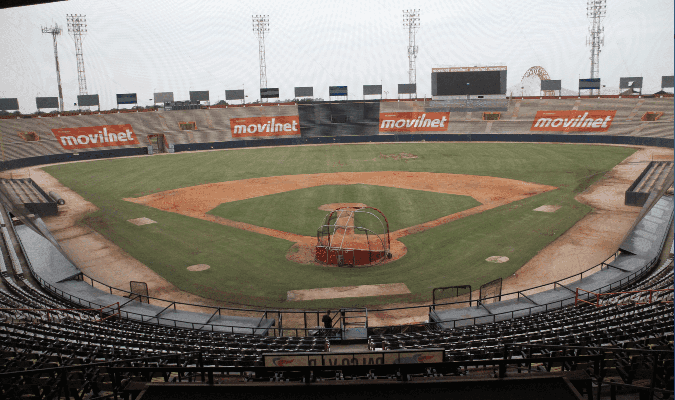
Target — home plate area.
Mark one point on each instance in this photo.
(347, 291)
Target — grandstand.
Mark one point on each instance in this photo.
(64, 334)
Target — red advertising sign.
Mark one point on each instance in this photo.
(573, 120)
(414, 122)
(96, 136)
(265, 126)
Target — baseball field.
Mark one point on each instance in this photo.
(243, 212)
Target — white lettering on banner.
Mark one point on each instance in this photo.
(592, 120)
(104, 137)
(265, 126)
(413, 121)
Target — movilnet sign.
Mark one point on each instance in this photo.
(265, 126)
(414, 122)
(573, 121)
(96, 136)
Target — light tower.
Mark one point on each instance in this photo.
(596, 10)
(411, 21)
(261, 24)
(54, 31)
(77, 27)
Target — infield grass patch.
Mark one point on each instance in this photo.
(296, 211)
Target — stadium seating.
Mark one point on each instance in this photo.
(39, 330)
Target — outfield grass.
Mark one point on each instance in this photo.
(297, 211)
(249, 268)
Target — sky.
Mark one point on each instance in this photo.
(148, 46)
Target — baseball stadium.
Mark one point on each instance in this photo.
(474, 243)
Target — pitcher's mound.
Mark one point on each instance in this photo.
(335, 206)
(198, 267)
(497, 259)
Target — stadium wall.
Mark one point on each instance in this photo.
(331, 122)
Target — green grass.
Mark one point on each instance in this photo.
(297, 211)
(249, 268)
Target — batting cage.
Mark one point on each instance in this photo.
(451, 294)
(491, 292)
(139, 291)
(355, 236)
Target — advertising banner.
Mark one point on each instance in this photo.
(304, 91)
(127, 98)
(353, 359)
(372, 89)
(47, 102)
(573, 120)
(9, 104)
(550, 84)
(269, 93)
(667, 81)
(265, 126)
(593, 83)
(164, 97)
(202, 95)
(337, 90)
(87, 100)
(414, 122)
(88, 137)
(418, 357)
(425, 356)
(634, 82)
(234, 95)
(407, 88)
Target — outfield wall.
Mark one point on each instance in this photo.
(328, 122)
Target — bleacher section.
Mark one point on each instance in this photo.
(657, 176)
(26, 192)
(334, 119)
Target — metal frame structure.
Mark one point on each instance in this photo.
(596, 10)
(54, 31)
(542, 74)
(411, 21)
(77, 27)
(336, 227)
(451, 288)
(261, 24)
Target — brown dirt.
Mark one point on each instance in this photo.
(334, 206)
(196, 201)
(348, 291)
(590, 241)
